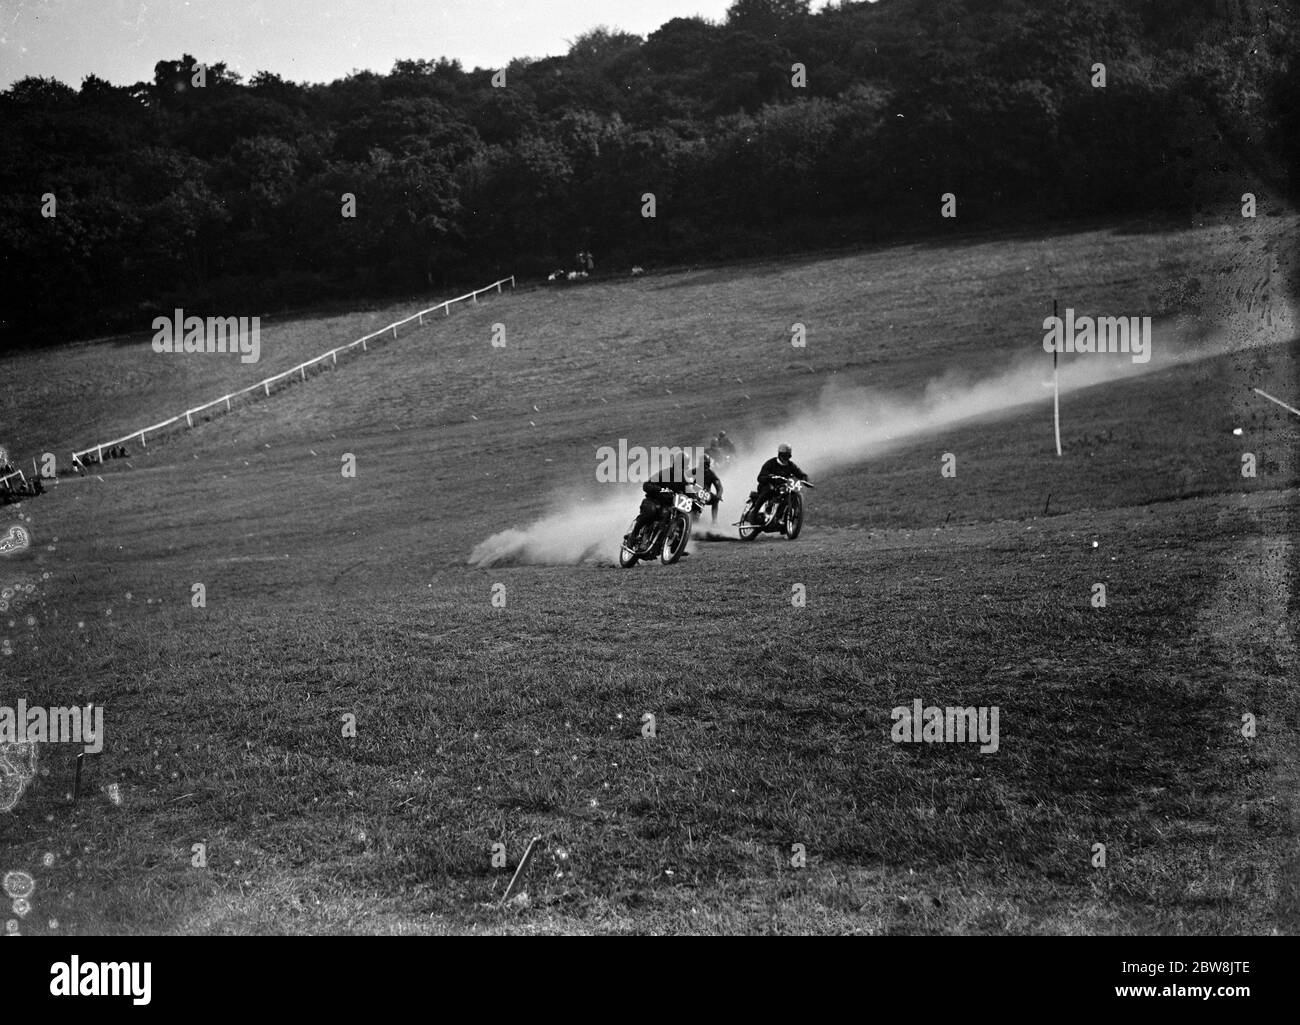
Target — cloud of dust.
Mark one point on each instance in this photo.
(843, 427)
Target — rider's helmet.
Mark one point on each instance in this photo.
(708, 461)
(783, 453)
(681, 465)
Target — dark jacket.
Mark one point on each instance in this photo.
(774, 468)
(672, 477)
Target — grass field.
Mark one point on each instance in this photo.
(329, 596)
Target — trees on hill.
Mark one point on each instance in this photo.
(778, 127)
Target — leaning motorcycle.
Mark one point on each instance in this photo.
(666, 537)
(783, 513)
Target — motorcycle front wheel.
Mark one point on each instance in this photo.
(627, 558)
(793, 516)
(679, 532)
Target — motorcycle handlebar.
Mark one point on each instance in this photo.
(670, 491)
(789, 480)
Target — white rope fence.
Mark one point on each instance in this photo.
(300, 369)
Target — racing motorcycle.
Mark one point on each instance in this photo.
(720, 456)
(666, 536)
(781, 514)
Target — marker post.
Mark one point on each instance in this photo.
(519, 872)
(1289, 409)
(1056, 390)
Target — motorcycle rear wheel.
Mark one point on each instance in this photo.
(748, 531)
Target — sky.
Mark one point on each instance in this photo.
(303, 40)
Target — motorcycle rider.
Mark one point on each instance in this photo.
(779, 466)
(721, 447)
(712, 485)
(660, 489)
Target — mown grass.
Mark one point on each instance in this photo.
(475, 725)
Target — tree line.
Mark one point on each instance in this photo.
(777, 129)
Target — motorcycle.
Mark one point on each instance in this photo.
(666, 536)
(720, 456)
(781, 514)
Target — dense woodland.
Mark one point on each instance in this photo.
(227, 198)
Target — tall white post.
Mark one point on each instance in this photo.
(1056, 391)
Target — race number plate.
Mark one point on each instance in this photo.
(683, 503)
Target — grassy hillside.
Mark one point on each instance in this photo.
(329, 596)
